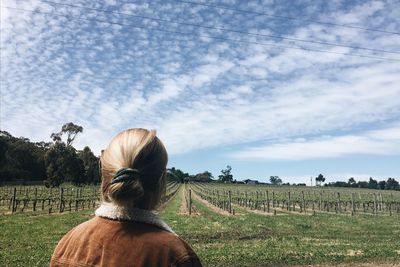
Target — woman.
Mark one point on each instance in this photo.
(124, 231)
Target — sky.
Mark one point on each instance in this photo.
(287, 88)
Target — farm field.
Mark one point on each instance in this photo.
(250, 237)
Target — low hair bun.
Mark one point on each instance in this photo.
(122, 191)
(133, 169)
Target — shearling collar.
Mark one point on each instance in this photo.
(112, 211)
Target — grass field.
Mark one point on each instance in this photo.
(246, 239)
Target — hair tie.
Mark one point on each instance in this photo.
(123, 175)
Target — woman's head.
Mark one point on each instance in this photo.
(145, 158)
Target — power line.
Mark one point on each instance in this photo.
(223, 29)
(285, 17)
(204, 36)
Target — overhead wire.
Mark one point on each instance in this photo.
(221, 28)
(204, 36)
(280, 17)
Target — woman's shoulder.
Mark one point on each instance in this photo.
(139, 242)
(176, 248)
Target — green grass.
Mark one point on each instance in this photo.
(29, 240)
(242, 240)
(257, 240)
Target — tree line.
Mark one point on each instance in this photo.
(51, 162)
(58, 161)
(389, 184)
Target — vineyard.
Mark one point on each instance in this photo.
(68, 198)
(302, 200)
(234, 225)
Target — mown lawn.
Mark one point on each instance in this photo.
(243, 240)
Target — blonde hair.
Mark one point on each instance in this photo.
(141, 150)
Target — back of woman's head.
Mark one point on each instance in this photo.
(142, 155)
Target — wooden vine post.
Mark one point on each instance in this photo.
(230, 201)
(61, 199)
(13, 201)
(190, 201)
(256, 206)
(34, 202)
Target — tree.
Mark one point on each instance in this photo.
(91, 165)
(275, 180)
(20, 159)
(392, 184)
(177, 175)
(55, 166)
(226, 175)
(70, 129)
(362, 184)
(56, 137)
(319, 179)
(352, 182)
(203, 177)
(382, 185)
(372, 184)
(63, 165)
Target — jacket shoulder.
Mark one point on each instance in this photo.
(183, 253)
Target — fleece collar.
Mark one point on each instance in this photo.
(112, 211)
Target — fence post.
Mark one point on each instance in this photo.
(256, 206)
(273, 199)
(34, 202)
(76, 199)
(190, 201)
(288, 204)
(267, 198)
(230, 201)
(320, 201)
(14, 198)
(303, 203)
(61, 199)
(353, 210)
(338, 209)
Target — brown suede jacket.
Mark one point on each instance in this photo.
(121, 237)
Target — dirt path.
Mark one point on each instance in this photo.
(183, 210)
(210, 206)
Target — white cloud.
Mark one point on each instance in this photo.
(379, 142)
(197, 93)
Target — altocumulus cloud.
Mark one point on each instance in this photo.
(61, 63)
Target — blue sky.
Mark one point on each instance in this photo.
(216, 83)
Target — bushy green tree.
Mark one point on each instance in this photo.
(275, 180)
(226, 175)
(20, 159)
(202, 177)
(319, 179)
(372, 183)
(352, 182)
(392, 184)
(91, 165)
